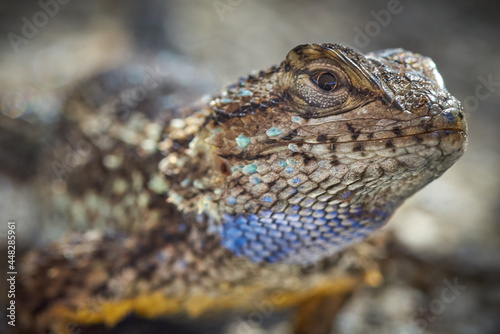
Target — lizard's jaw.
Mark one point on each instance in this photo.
(414, 138)
(298, 209)
(308, 197)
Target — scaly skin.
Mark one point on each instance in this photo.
(261, 188)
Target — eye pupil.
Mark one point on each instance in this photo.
(325, 81)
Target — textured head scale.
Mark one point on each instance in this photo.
(301, 160)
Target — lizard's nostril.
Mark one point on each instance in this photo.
(449, 116)
(454, 118)
(449, 119)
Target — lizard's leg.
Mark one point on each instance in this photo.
(315, 316)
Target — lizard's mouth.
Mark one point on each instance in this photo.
(447, 140)
(446, 130)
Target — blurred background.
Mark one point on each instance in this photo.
(442, 274)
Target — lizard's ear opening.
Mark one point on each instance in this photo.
(224, 168)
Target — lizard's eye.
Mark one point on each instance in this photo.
(329, 80)
(321, 86)
(325, 80)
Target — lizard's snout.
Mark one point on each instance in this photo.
(444, 111)
(453, 119)
(450, 117)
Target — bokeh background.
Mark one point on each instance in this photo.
(446, 235)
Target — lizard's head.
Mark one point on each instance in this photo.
(324, 147)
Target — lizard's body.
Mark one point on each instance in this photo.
(251, 193)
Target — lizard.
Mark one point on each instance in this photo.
(258, 192)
